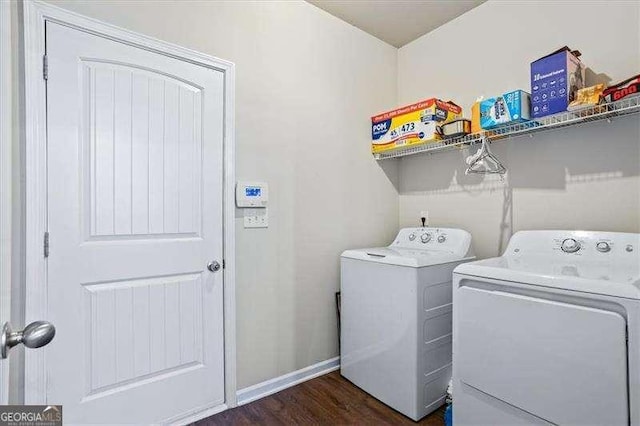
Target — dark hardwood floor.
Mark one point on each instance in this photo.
(326, 400)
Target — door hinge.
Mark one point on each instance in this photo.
(45, 67)
(46, 244)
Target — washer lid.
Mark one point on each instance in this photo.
(607, 277)
(404, 257)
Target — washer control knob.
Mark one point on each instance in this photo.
(603, 247)
(629, 248)
(412, 237)
(425, 238)
(442, 239)
(570, 245)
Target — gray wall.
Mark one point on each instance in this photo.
(577, 178)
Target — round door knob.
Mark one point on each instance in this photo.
(35, 335)
(425, 238)
(38, 334)
(213, 266)
(603, 247)
(442, 239)
(412, 237)
(570, 245)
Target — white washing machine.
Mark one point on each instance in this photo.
(549, 333)
(396, 317)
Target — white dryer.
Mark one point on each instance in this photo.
(549, 333)
(396, 317)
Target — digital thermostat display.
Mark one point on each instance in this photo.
(251, 191)
(251, 194)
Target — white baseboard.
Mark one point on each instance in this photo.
(277, 384)
(194, 416)
(252, 393)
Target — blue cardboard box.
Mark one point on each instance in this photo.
(512, 107)
(555, 80)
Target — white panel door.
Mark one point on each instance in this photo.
(135, 215)
(564, 363)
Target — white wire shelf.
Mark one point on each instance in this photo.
(630, 105)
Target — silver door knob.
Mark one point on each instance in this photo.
(213, 266)
(35, 335)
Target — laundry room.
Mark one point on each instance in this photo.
(320, 212)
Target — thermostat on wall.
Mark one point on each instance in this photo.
(252, 194)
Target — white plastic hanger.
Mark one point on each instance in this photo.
(484, 162)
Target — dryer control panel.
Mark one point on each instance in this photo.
(585, 244)
(435, 239)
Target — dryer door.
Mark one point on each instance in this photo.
(564, 363)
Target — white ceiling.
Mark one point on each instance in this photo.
(397, 21)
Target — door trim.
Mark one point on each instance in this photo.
(5, 184)
(36, 14)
